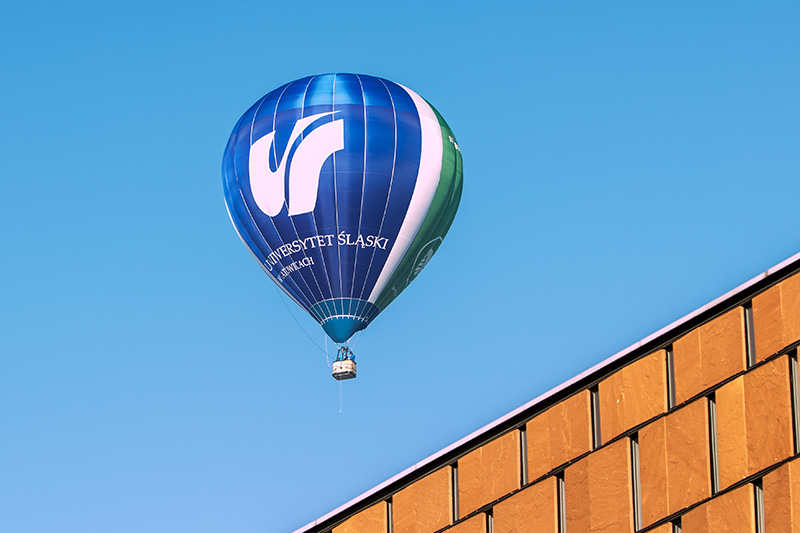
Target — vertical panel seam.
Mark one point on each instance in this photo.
(595, 401)
(635, 482)
(523, 455)
(454, 491)
(670, 378)
(758, 501)
(561, 506)
(749, 336)
(794, 388)
(712, 437)
(389, 516)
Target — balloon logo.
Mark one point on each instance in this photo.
(343, 187)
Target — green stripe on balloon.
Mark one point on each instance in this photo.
(437, 221)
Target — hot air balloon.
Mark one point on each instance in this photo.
(342, 186)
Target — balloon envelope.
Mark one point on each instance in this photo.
(343, 187)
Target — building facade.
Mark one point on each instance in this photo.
(694, 429)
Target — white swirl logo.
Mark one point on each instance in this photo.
(315, 148)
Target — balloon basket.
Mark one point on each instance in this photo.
(344, 369)
(345, 365)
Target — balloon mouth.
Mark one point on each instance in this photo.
(341, 328)
(341, 318)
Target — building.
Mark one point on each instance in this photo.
(692, 429)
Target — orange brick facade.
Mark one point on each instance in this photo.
(696, 432)
(488, 473)
(674, 460)
(425, 505)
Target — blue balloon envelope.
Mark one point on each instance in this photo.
(342, 186)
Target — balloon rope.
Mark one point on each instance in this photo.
(340, 396)
(299, 325)
(358, 339)
(327, 359)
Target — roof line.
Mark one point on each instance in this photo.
(782, 269)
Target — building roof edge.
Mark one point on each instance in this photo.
(729, 299)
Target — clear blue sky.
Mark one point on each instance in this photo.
(624, 163)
